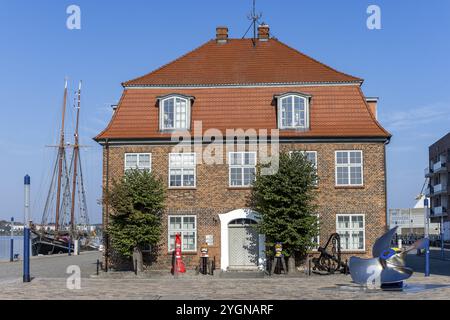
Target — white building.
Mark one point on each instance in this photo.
(18, 227)
(411, 221)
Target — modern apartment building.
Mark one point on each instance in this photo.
(438, 173)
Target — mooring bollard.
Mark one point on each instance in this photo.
(309, 267)
(11, 254)
(76, 247)
(269, 265)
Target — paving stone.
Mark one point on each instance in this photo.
(129, 287)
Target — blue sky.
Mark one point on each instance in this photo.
(405, 63)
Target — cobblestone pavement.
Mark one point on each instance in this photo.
(201, 288)
(51, 266)
(51, 284)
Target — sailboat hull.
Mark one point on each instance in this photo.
(46, 245)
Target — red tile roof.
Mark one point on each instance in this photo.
(239, 62)
(335, 111)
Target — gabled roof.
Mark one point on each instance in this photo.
(238, 62)
(233, 86)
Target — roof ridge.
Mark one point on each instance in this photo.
(124, 84)
(317, 61)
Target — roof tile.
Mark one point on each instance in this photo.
(335, 111)
(239, 62)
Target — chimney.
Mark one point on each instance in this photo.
(263, 32)
(373, 104)
(114, 108)
(222, 34)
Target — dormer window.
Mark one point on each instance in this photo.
(175, 112)
(293, 111)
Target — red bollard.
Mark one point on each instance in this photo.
(178, 266)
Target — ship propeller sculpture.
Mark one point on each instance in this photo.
(387, 263)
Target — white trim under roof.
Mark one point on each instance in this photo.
(250, 85)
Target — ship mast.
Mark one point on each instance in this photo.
(76, 150)
(61, 152)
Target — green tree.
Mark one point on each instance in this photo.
(286, 203)
(137, 203)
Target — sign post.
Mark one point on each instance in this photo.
(26, 232)
(427, 238)
(11, 253)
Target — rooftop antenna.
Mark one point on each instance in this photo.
(254, 18)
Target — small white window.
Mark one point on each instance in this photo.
(182, 170)
(351, 229)
(293, 112)
(140, 161)
(186, 226)
(349, 168)
(175, 113)
(311, 156)
(242, 166)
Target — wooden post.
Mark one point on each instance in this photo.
(61, 152)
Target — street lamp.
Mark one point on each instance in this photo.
(426, 228)
(427, 238)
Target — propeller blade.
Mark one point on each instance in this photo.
(396, 274)
(419, 244)
(383, 243)
(362, 269)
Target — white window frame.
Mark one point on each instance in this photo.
(181, 231)
(350, 230)
(348, 165)
(126, 168)
(242, 166)
(182, 168)
(305, 153)
(161, 112)
(280, 116)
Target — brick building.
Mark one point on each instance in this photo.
(249, 84)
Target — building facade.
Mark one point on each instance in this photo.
(438, 174)
(238, 93)
(410, 222)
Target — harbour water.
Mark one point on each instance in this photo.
(5, 242)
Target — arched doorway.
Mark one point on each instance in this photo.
(243, 244)
(242, 248)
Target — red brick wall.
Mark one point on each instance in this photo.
(212, 195)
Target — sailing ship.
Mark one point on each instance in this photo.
(65, 197)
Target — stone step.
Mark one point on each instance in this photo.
(242, 274)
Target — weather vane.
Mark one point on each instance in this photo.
(254, 18)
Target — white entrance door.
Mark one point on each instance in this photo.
(243, 244)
